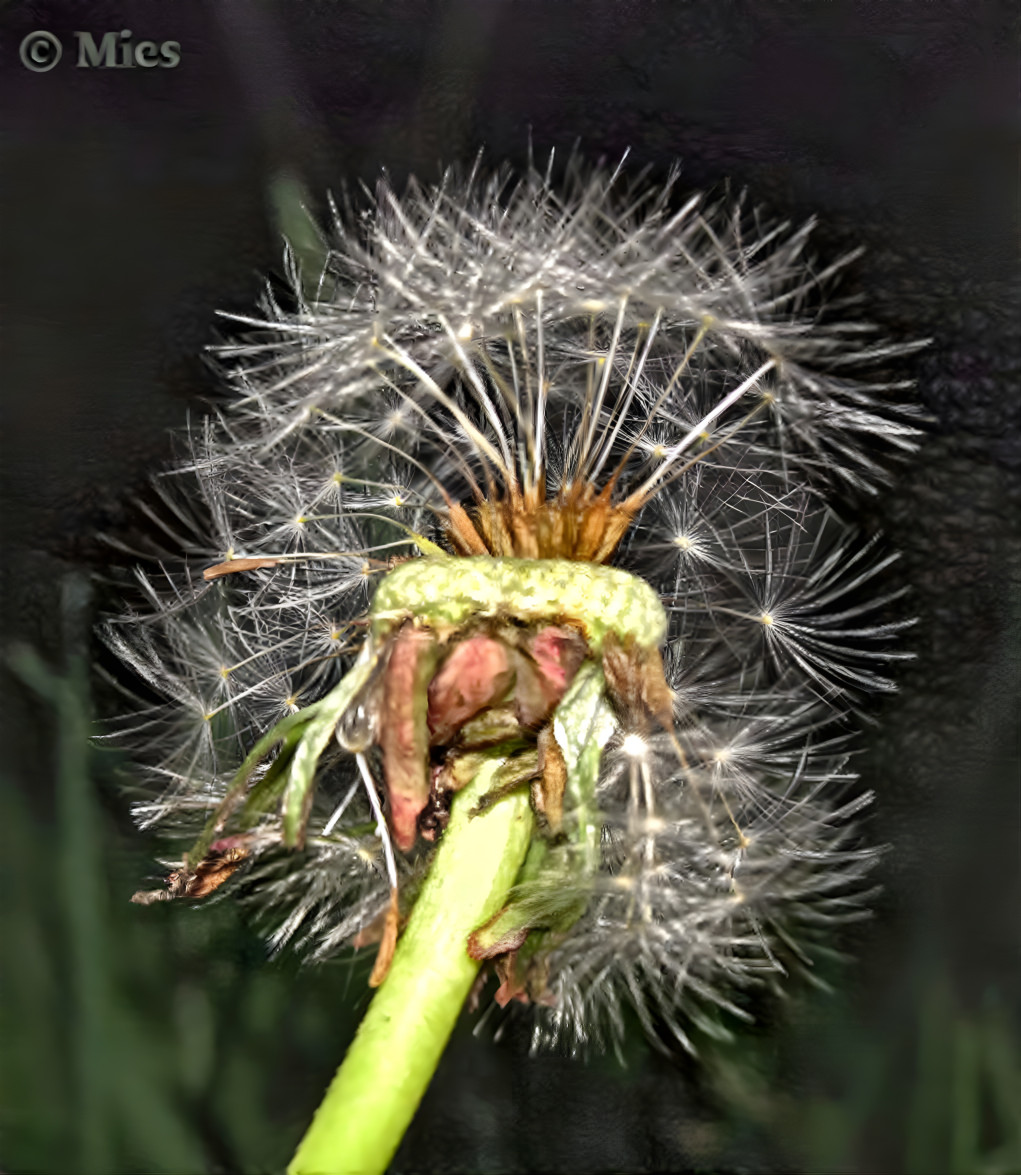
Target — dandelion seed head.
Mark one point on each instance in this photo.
(589, 369)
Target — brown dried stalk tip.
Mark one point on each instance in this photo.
(222, 859)
(387, 942)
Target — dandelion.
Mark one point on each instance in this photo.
(516, 619)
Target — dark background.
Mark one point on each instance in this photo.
(136, 203)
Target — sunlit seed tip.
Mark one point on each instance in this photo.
(465, 332)
(635, 746)
(593, 305)
(683, 542)
(225, 671)
(766, 619)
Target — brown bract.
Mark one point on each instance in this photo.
(446, 698)
(404, 734)
(473, 676)
(636, 683)
(579, 523)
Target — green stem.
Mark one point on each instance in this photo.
(375, 1093)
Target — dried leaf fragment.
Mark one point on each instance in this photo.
(232, 565)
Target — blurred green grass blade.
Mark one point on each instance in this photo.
(82, 896)
(1001, 1063)
(150, 1111)
(927, 1144)
(966, 1114)
(85, 898)
(34, 1086)
(289, 203)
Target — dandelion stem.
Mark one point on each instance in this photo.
(375, 1093)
